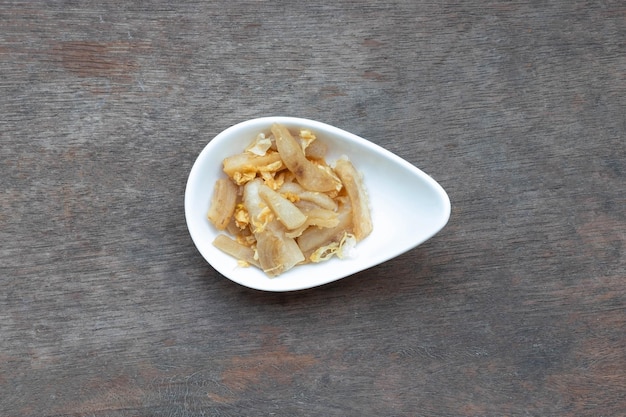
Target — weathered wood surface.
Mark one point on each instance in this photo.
(518, 307)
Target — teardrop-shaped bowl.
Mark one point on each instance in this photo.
(408, 207)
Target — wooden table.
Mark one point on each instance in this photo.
(516, 308)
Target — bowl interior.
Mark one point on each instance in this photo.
(408, 206)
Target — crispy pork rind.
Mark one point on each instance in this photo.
(244, 167)
(310, 175)
(282, 205)
(351, 179)
(315, 237)
(223, 203)
(241, 252)
(295, 192)
(277, 253)
(286, 212)
(341, 249)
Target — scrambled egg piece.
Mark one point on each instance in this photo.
(273, 167)
(242, 218)
(265, 216)
(250, 172)
(272, 180)
(242, 264)
(260, 145)
(241, 178)
(248, 240)
(306, 137)
(293, 197)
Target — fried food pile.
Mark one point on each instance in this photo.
(283, 205)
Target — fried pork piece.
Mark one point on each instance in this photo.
(286, 212)
(244, 167)
(314, 238)
(320, 199)
(311, 176)
(361, 218)
(237, 250)
(277, 253)
(223, 203)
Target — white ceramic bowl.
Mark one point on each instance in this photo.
(408, 207)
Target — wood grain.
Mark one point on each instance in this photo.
(518, 307)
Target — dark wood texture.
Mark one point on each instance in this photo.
(517, 308)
